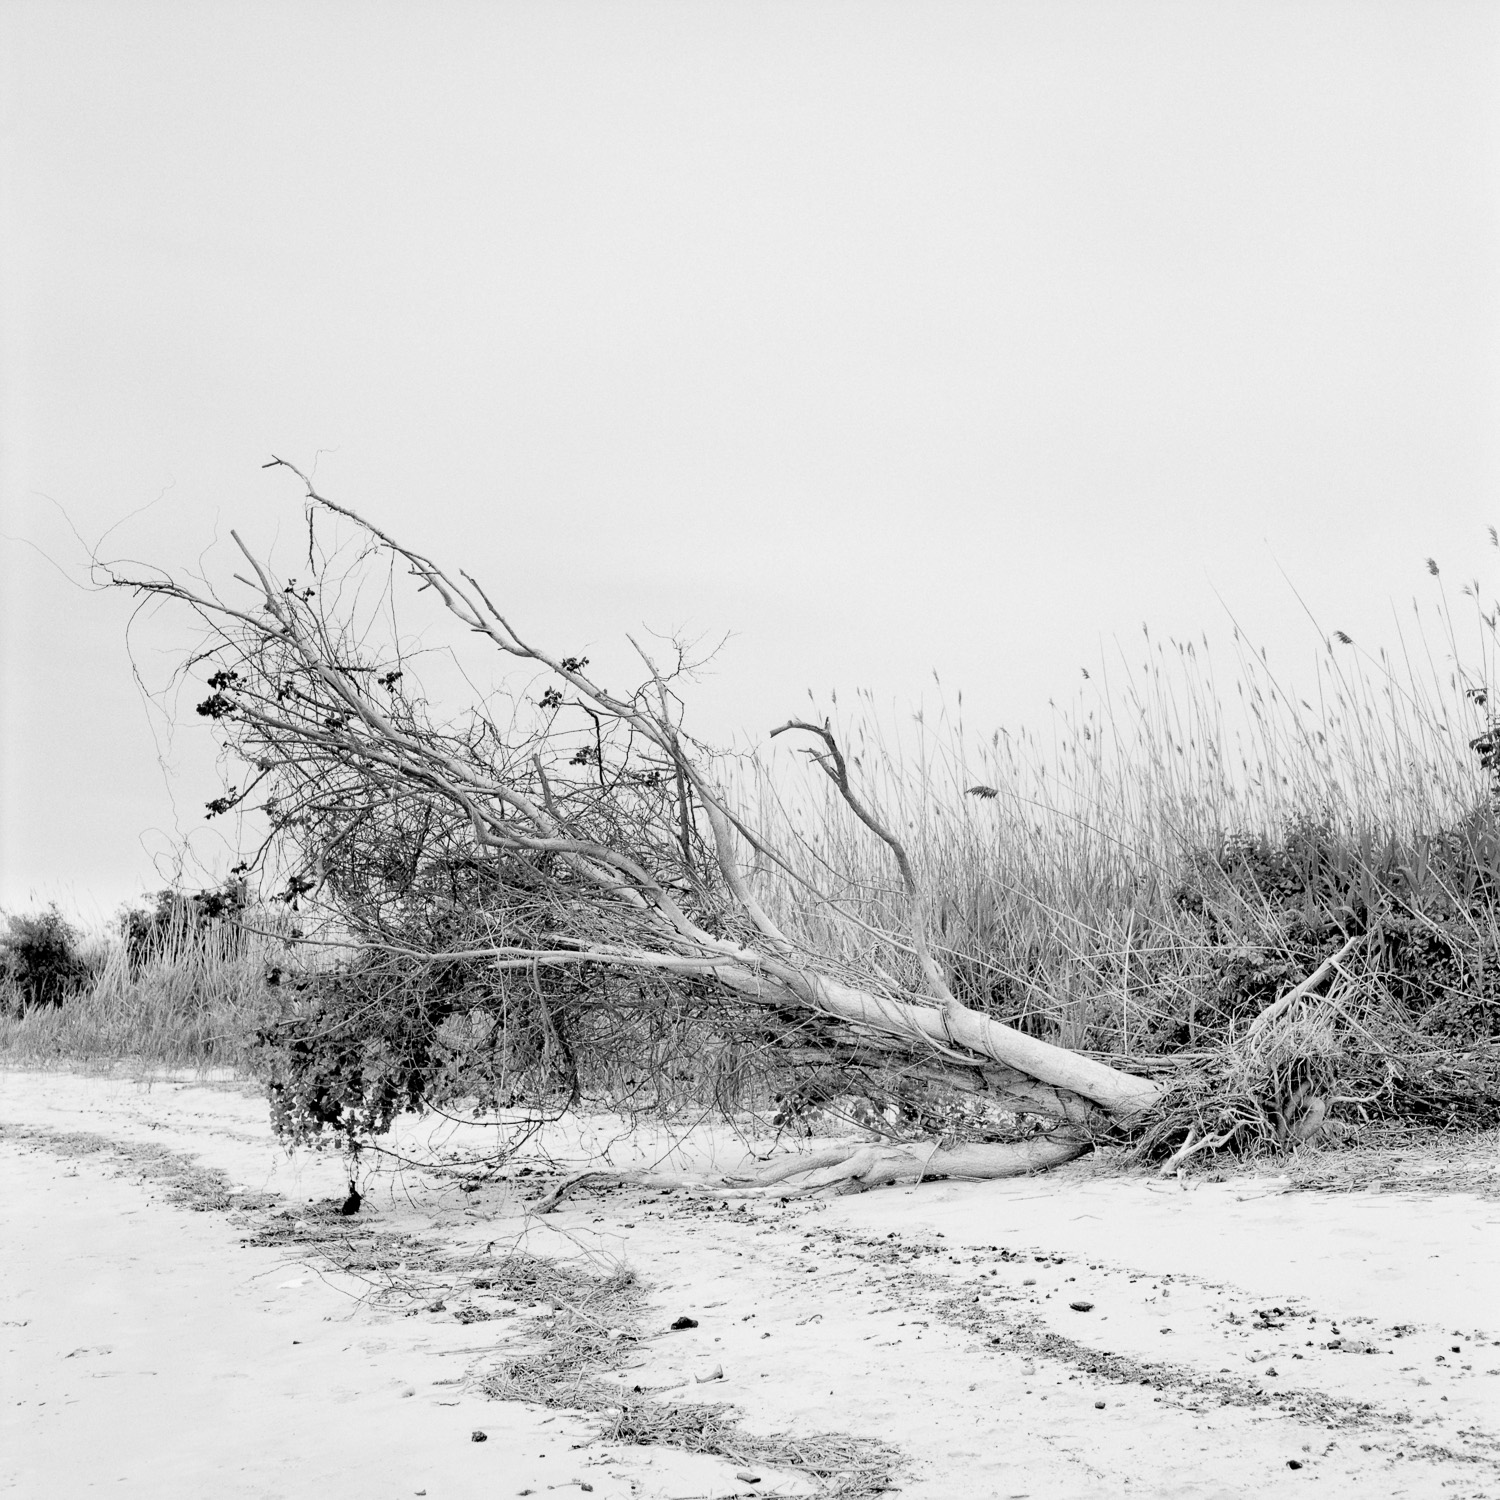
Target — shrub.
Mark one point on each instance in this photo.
(40, 960)
(345, 1047)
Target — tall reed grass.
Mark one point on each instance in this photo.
(1175, 847)
(192, 996)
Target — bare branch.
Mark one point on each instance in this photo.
(833, 764)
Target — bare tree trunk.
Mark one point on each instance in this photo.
(961, 1035)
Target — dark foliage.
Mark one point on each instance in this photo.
(356, 1043)
(180, 918)
(39, 959)
(352, 1049)
(1430, 906)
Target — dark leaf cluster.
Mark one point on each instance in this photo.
(40, 960)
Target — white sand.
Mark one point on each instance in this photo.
(146, 1352)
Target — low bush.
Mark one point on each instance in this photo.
(344, 1047)
(41, 963)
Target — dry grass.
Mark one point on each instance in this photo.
(193, 1000)
(1063, 880)
(1176, 850)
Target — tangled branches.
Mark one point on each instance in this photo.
(483, 871)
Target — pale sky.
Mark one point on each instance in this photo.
(891, 338)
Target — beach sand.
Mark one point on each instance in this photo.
(1085, 1333)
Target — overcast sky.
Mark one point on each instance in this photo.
(888, 337)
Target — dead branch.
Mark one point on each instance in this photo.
(1284, 1003)
(831, 761)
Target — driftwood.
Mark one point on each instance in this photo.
(849, 1168)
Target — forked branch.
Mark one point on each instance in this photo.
(831, 760)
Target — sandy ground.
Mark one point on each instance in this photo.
(1083, 1334)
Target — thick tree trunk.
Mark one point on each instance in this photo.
(959, 1035)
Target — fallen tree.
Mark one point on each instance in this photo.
(580, 834)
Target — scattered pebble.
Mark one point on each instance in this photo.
(1081, 1306)
(685, 1323)
(1098, 1406)
(479, 1436)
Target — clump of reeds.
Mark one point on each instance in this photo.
(1178, 851)
(190, 994)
